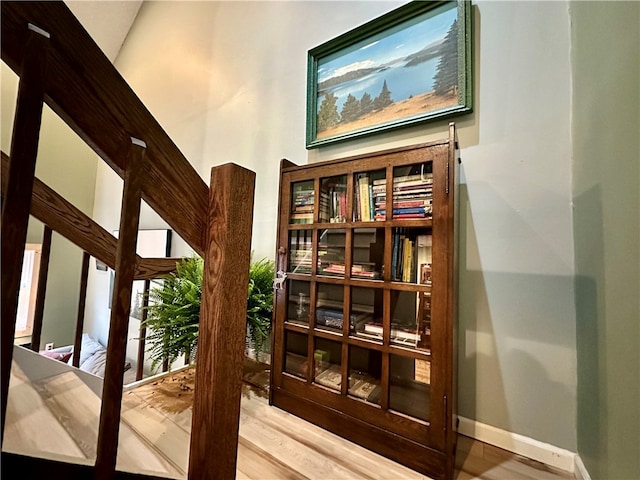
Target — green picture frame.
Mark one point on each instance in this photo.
(408, 66)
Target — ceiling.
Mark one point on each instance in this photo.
(108, 22)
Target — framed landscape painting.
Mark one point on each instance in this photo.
(411, 65)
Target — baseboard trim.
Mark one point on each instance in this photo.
(520, 445)
(580, 471)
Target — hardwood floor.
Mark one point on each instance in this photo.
(273, 444)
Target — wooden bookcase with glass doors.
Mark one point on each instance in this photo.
(364, 320)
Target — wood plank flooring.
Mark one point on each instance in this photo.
(273, 444)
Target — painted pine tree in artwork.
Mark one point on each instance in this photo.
(446, 76)
(366, 103)
(384, 99)
(328, 115)
(350, 109)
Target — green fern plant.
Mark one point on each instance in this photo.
(259, 304)
(173, 313)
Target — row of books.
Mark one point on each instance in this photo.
(333, 204)
(412, 197)
(367, 196)
(404, 257)
(362, 270)
(302, 203)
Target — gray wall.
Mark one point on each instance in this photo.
(606, 182)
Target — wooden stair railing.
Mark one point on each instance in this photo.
(67, 220)
(58, 63)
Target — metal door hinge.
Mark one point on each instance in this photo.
(446, 409)
(446, 187)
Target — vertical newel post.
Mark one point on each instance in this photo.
(120, 309)
(216, 407)
(17, 198)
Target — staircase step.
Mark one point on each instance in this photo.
(31, 428)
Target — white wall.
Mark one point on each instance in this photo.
(227, 81)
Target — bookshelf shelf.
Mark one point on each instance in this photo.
(364, 325)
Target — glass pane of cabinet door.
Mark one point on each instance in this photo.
(331, 252)
(302, 202)
(411, 256)
(365, 367)
(329, 311)
(301, 251)
(333, 199)
(367, 311)
(367, 253)
(298, 306)
(412, 191)
(410, 319)
(295, 354)
(410, 386)
(327, 361)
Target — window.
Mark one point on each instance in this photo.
(28, 289)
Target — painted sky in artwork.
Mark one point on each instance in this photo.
(404, 39)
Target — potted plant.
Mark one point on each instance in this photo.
(173, 313)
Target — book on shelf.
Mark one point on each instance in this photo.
(364, 386)
(373, 328)
(330, 377)
(335, 319)
(363, 188)
(334, 268)
(357, 202)
(398, 332)
(377, 337)
(409, 178)
(365, 270)
(425, 273)
(404, 335)
(302, 217)
(404, 203)
(371, 213)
